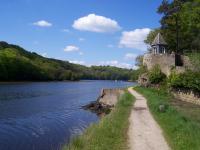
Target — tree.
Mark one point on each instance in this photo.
(139, 63)
(151, 36)
(180, 24)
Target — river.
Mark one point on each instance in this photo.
(45, 115)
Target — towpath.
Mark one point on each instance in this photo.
(144, 133)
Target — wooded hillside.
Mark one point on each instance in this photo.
(17, 64)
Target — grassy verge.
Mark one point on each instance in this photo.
(110, 133)
(180, 122)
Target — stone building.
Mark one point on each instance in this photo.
(160, 55)
(159, 45)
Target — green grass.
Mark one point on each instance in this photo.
(180, 122)
(110, 133)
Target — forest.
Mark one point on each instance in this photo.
(17, 64)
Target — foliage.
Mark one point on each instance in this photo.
(179, 18)
(110, 132)
(155, 75)
(151, 36)
(181, 126)
(188, 80)
(195, 60)
(139, 63)
(17, 64)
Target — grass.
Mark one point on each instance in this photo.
(180, 122)
(110, 133)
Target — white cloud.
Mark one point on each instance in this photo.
(81, 39)
(95, 23)
(116, 63)
(80, 53)
(71, 48)
(36, 42)
(110, 46)
(134, 39)
(130, 56)
(42, 23)
(77, 62)
(44, 54)
(66, 30)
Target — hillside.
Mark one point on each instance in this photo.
(17, 64)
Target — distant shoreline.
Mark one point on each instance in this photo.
(5, 82)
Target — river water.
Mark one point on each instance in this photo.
(45, 115)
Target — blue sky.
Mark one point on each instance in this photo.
(89, 32)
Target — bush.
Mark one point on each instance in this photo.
(188, 80)
(195, 60)
(156, 76)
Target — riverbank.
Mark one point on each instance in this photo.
(110, 132)
(180, 121)
(105, 102)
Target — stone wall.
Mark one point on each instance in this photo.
(110, 96)
(165, 61)
(188, 96)
(186, 62)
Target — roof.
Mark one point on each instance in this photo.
(159, 40)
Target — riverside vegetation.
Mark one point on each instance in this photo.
(180, 23)
(180, 121)
(110, 132)
(17, 64)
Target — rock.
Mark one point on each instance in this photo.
(105, 102)
(109, 97)
(162, 108)
(143, 80)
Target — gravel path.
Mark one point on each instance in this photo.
(144, 133)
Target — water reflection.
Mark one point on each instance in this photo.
(43, 116)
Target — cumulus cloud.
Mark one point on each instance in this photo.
(134, 39)
(71, 48)
(81, 39)
(95, 23)
(42, 23)
(110, 46)
(36, 42)
(44, 54)
(80, 53)
(130, 56)
(116, 63)
(77, 62)
(66, 30)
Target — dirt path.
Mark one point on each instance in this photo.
(144, 133)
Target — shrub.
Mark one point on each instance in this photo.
(156, 76)
(195, 60)
(188, 80)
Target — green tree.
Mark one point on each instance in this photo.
(151, 36)
(180, 23)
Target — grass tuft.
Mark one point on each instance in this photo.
(110, 133)
(180, 122)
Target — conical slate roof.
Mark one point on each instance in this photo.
(159, 40)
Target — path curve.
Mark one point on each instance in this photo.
(144, 133)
